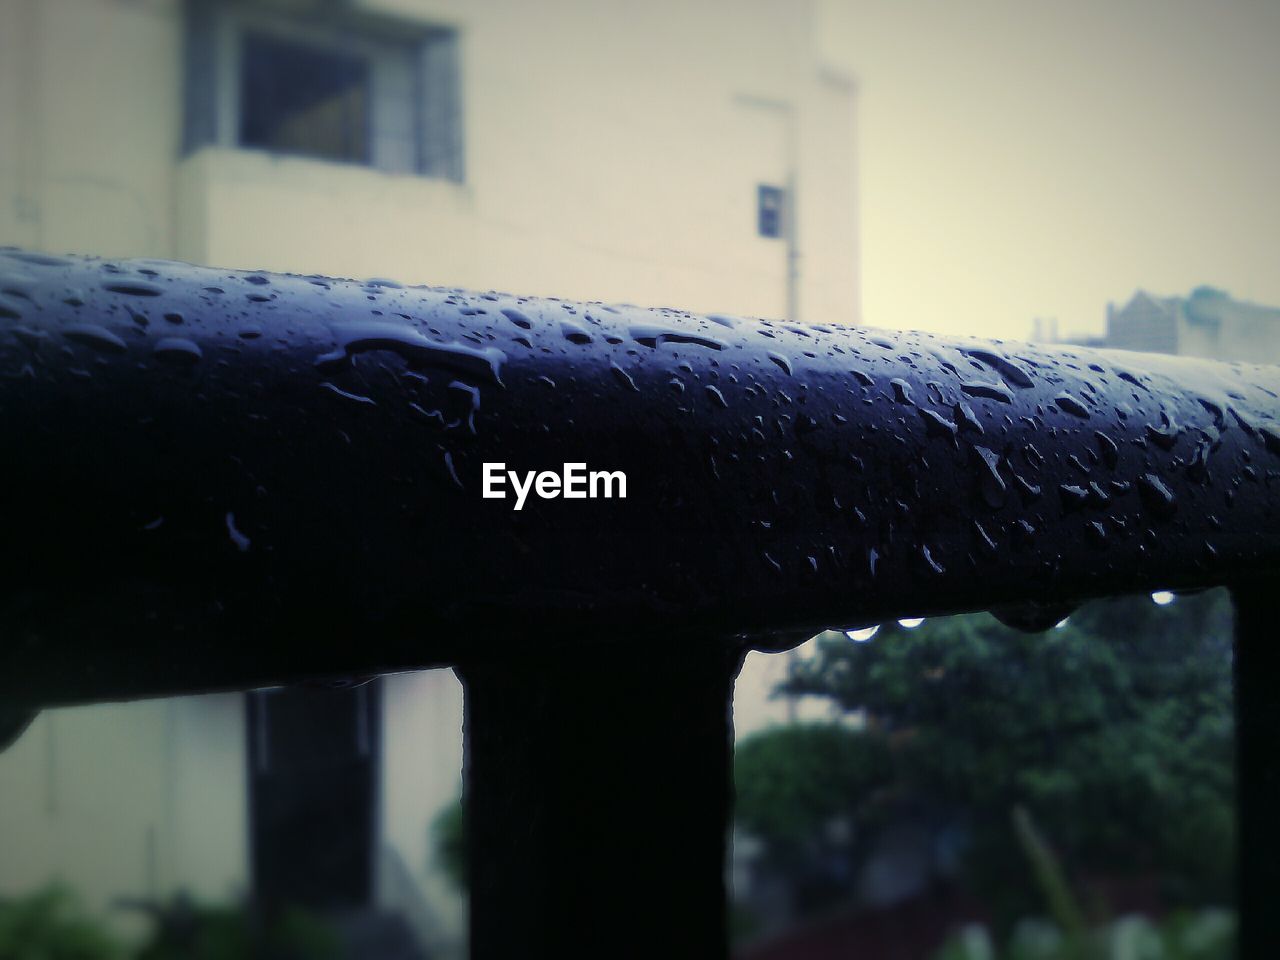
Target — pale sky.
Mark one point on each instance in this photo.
(1023, 159)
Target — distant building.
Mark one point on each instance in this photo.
(1207, 323)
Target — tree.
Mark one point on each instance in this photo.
(449, 838)
(1115, 731)
(795, 779)
(52, 924)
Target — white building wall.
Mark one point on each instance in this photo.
(609, 155)
(422, 776)
(93, 120)
(612, 152)
(127, 801)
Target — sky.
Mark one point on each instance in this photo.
(1024, 159)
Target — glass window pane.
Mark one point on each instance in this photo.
(296, 98)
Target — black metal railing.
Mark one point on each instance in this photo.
(221, 479)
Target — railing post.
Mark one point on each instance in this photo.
(598, 785)
(1257, 770)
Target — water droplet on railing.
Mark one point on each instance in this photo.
(1069, 404)
(1158, 498)
(132, 287)
(574, 333)
(32, 338)
(9, 310)
(990, 482)
(966, 419)
(988, 391)
(354, 397)
(356, 338)
(936, 425)
(517, 317)
(1032, 616)
(1166, 435)
(453, 473)
(654, 336)
(92, 335)
(239, 539)
(36, 259)
(1270, 437)
(1011, 371)
(1107, 448)
(623, 377)
(177, 350)
(1073, 497)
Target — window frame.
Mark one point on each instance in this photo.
(234, 110)
(215, 34)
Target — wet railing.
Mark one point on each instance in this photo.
(219, 479)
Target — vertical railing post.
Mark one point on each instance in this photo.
(1257, 767)
(598, 795)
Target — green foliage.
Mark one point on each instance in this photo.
(1048, 874)
(187, 931)
(1116, 731)
(791, 781)
(51, 925)
(449, 836)
(1190, 935)
(1185, 935)
(743, 924)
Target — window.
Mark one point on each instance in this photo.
(298, 99)
(335, 86)
(769, 210)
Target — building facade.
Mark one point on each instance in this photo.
(643, 153)
(584, 150)
(1206, 323)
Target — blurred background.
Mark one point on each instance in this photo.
(1093, 173)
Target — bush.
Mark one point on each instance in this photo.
(50, 924)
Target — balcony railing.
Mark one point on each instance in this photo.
(219, 479)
